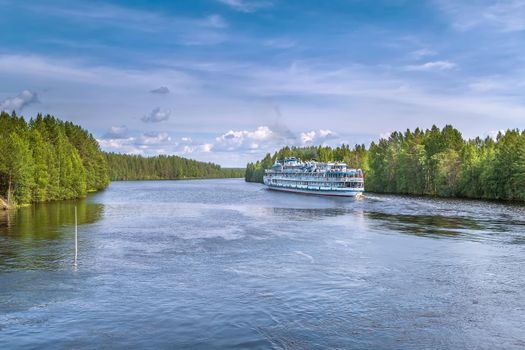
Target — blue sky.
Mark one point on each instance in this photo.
(229, 80)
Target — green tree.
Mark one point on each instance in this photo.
(40, 151)
(16, 166)
(48, 159)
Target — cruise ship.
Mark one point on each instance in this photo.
(325, 179)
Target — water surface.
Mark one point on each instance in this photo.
(226, 264)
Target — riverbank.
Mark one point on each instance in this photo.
(4, 205)
(181, 179)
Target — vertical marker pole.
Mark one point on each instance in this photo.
(76, 237)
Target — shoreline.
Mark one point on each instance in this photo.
(429, 196)
(179, 179)
(5, 206)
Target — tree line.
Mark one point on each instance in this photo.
(163, 167)
(436, 162)
(48, 159)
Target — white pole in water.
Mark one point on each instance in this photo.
(76, 236)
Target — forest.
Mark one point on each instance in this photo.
(434, 162)
(48, 159)
(162, 167)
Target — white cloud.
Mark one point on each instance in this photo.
(154, 138)
(246, 5)
(151, 143)
(18, 102)
(307, 137)
(144, 144)
(385, 135)
(316, 137)
(156, 115)
(117, 132)
(261, 140)
(493, 134)
(186, 145)
(203, 148)
(432, 66)
(266, 139)
(233, 140)
(120, 145)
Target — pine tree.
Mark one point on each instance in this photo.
(16, 165)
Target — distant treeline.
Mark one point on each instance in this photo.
(437, 162)
(136, 167)
(48, 159)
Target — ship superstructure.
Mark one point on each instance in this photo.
(311, 177)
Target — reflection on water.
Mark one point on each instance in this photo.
(33, 237)
(307, 213)
(424, 225)
(225, 264)
(502, 223)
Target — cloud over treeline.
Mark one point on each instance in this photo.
(270, 138)
(261, 139)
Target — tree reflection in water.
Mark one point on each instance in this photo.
(39, 236)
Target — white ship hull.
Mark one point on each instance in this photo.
(318, 192)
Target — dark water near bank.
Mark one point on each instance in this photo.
(225, 264)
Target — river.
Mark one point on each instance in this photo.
(226, 264)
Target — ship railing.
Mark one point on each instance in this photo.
(297, 176)
(314, 174)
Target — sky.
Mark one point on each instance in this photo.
(227, 81)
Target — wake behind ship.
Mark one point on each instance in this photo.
(325, 179)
